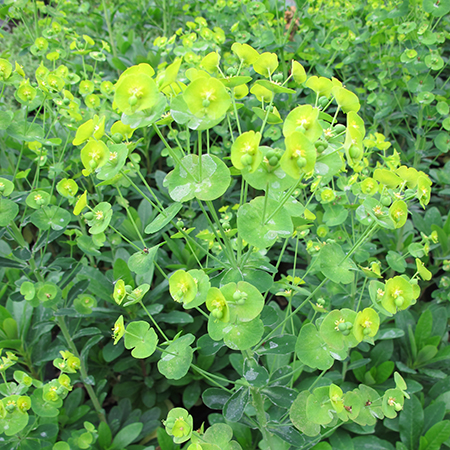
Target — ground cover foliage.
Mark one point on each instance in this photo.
(225, 227)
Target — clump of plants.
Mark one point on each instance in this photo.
(217, 232)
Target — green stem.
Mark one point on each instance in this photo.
(108, 26)
(63, 327)
(258, 403)
(154, 321)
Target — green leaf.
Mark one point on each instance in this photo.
(239, 335)
(278, 345)
(215, 398)
(163, 218)
(280, 395)
(176, 359)
(411, 420)
(436, 8)
(233, 409)
(311, 348)
(126, 436)
(42, 407)
(433, 414)
(26, 131)
(318, 406)
(371, 443)
(5, 119)
(436, 436)
(341, 440)
(141, 338)
(142, 262)
(51, 216)
(186, 182)
(191, 395)
(423, 328)
(256, 375)
(254, 226)
(396, 261)
(8, 211)
(334, 214)
(298, 416)
(334, 265)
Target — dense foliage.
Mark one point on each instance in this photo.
(226, 228)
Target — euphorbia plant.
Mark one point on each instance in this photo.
(319, 189)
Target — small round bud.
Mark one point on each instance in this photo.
(301, 129)
(117, 138)
(132, 100)
(399, 301)
(89, 215)
(273, 161)
(385, 200)
(206, 103)
(342, 326)
(246, 160)
(301, 162)
(354, 152)
(323, 101)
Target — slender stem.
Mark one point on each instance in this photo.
(154, 321)
(258, 403)
(95, 401)
(110, 33)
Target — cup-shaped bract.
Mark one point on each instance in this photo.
(336, 329)
(321, 86)
(369, 186)
(423, 190)
(398, 294)
(245, 153)
(217, 305)
(210, 62)
(38, 199)
(136, 90)
(6, 69)
(247, 54)
(26, 93)
(6, 187)
(393, 400)
(94, 155)
(124, 130)
(348, 101)
(366, 324)
(118, 330)
(299, 156)
(207, 97)
(80, 204)
(424, 273)
(102, 214)
(298, 72)
(303, 119)
(266, 64)
(182, 287)
(408, 174)
(179, 424)
(399, 213)
(261, 93)
(336, 398)
(119, 291)
(67, 188)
